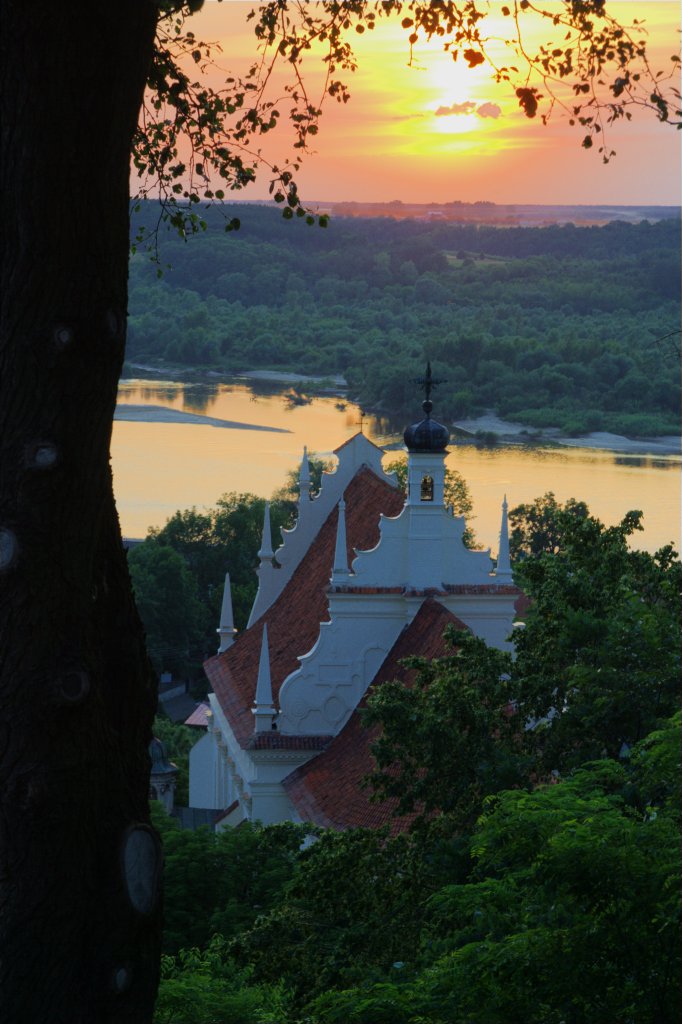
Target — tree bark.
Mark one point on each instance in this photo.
(77, 696)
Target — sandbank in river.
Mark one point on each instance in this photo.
(507, 432)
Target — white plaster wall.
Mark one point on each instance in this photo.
(425, 464)
(222, 771)
(237, 759)
(202, 773)
(270, 804)
(489, 616)
(420, 549)
(319, 697)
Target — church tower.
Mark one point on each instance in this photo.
(427, 446)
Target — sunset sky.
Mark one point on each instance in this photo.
(441, 131)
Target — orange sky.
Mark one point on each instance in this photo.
(388, 143)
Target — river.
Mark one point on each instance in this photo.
(162, 466)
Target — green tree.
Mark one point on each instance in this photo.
(351, 910)
(538, 527)
(220, 883)
(577, 880)
(205, 987)
(597, 664)
(168, 603)
(449, 739)
(222, 539)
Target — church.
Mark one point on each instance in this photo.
(365, 578)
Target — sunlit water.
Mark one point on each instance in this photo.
(162, 467)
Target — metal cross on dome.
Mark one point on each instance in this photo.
(428, 382)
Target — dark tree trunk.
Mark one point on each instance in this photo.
(76, 691)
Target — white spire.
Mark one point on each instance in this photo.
(503, 570)
(266, 554)
(304, 477)
(226, 630)
(340, 570)
(263, 710)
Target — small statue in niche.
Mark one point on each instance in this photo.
(427, 488)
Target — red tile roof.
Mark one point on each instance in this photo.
(521, 605)
(294, 619)
(327, 790)
(198, 717)
(279, 741)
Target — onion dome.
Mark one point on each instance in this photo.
(160, 762)
(428, 435)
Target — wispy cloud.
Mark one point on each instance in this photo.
(415, 116)
(489, 110)
(456, 108)
(469, 107)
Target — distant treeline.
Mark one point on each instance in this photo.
(557, 326)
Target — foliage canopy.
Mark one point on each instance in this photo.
(570, 327)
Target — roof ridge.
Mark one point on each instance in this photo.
(349, 440)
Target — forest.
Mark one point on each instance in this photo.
(560, 326)
(543, 847)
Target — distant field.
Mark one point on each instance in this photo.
(501, 215)
(457, 260)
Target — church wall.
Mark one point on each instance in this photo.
(320, 696)
(202, 774)
(221, 771)
(269, 802)
(235, 766)
(488, 616)
(421, 549)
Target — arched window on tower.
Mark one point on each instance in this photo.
(427, 488)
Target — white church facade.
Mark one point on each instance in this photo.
(365, 578)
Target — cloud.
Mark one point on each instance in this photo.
(457, 108)
(489, 110)
(469, 107)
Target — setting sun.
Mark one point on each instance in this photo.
(425, 121)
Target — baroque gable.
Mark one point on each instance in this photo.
(365, 577)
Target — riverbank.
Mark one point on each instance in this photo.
(332, 382)
(506, 432)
